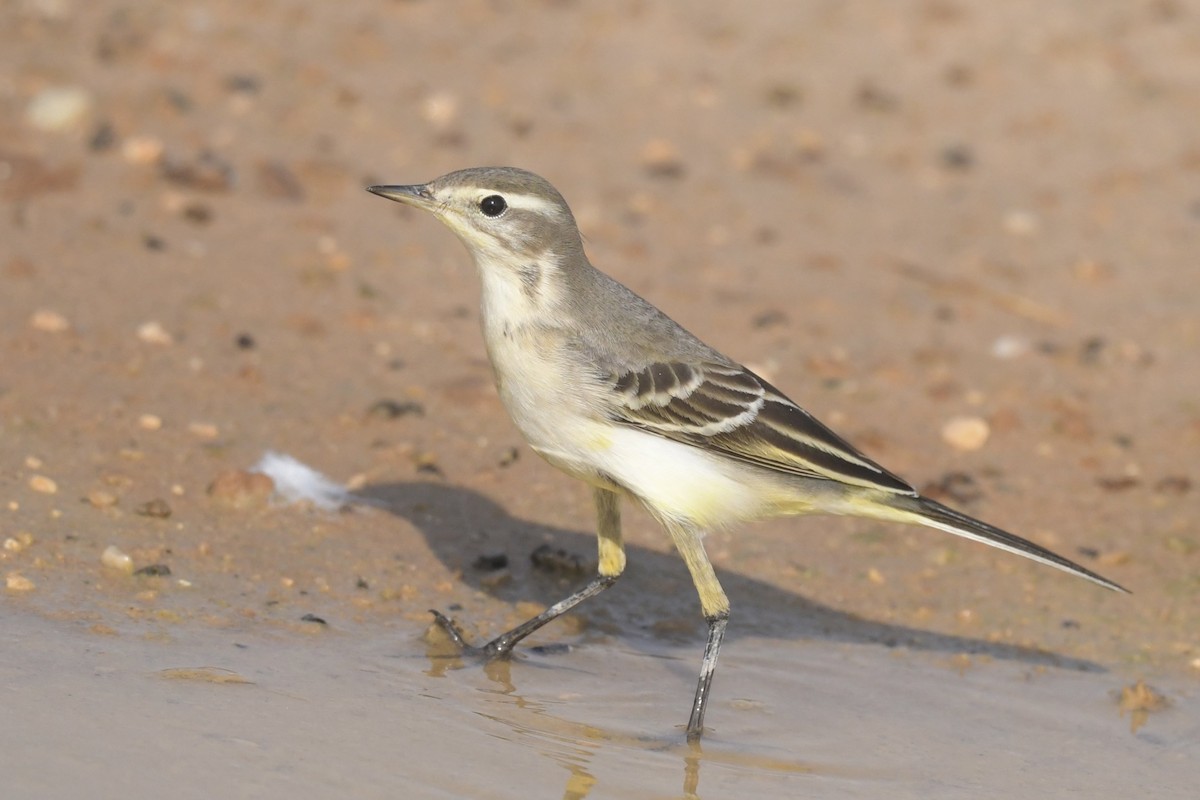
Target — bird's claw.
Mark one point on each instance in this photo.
(498, 648)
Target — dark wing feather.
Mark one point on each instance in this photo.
(730, 410)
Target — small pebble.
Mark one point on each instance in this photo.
(156, 508)
(207, 172)
(16, 582)
(49, 321)
(966, 433)
(494, 580)
(58, 108)
(103, 137)
(491, 562)
(204, 430)
(276, 180)
(427, 462)
(1021, 223)
(876, 577)
(114, 558)
(143, 150)
(153, 570)
(153, 332)
(440, 109)
(14, 545)
(394, 409)
(40, 483)
(555, 560)
(100, 498)
(239, 489)
(957, 157)
(150, 422)
(660, 158)
(313, 618)
(1007, 347)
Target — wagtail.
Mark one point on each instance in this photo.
(612, 391)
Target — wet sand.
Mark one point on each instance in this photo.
(364, 713)
(963, 235)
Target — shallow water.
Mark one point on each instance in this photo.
(358, 713)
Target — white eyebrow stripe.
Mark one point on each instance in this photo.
(529, 202)
(525, 202)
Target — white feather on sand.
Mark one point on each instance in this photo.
(297, 482)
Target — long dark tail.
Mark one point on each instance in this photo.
(924, 511)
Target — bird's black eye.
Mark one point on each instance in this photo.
(493, 205)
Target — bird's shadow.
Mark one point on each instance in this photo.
(655, 594)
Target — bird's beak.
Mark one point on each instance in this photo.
(417, 195)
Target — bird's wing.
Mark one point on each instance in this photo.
(730, 410)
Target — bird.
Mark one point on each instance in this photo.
(610, 390)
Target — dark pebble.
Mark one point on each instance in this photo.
(250, 84)
(156, 508)
(1173, 484)
(556, 649)
(207, 172)
(958, 487)
(394, 409)
(556, 561)
(313, 618)
(957, 157)
(198, 213)
(875, 98)
(103, 138)
(1091, 350)
(153, 570)
(770, 318)
(1117, 484)
(491, 562)
(245, 341)
(277, 181)
(153, 242)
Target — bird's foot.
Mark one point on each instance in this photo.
(499, 648)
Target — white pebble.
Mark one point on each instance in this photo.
(1007, 347)
(16, 582)
(1021, 223)
(154, 333)
(966, 433)
(49, 321)
(115, 559)
(58, 108)
(42, 484)
(440, 109)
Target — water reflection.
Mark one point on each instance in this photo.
(576, 747)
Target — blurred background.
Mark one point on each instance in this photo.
(963, 234)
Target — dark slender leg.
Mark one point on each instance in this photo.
(716, 632)
(612, 563)
(502, 645)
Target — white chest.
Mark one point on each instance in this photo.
(543, 386)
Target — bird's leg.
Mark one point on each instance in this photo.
(612, 564)
(716, 611)
(716, 632)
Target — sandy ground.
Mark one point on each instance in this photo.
(906, 215)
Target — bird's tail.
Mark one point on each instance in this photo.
(923, 511)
